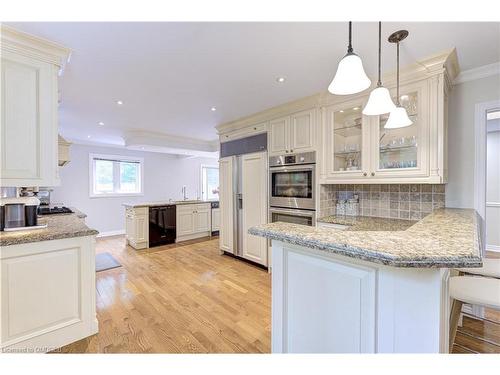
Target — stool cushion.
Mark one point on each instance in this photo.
(475, 290)
(490, 268)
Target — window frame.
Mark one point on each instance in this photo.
(204, 166)
(118, 158)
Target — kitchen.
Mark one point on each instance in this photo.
(232, 244)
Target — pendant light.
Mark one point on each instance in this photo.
(398, 117)
(380, 101)
(350, 77)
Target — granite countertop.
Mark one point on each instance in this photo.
(58, 226)
(446, 238)
(366, 223)
(166, 203)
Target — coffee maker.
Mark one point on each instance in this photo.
(17, 213)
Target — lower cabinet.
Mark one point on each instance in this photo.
(137, 227)
(193, 221)
(47, 294)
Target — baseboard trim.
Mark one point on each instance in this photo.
(494, 248)
(111, 233)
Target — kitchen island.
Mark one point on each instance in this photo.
(368, 290)
(47, 285)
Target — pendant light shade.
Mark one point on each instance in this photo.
(380, 101)
(350, 77)
(398, 117)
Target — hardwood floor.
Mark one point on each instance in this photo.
(479, 336)
(179, 299)
(189, 299)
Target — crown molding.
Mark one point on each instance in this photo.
(34, 47)
(270, 114)
(478, 73)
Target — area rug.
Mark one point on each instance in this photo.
(105, 261)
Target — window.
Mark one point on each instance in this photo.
(209, 182)
(114, 175)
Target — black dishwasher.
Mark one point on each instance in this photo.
(161, 225)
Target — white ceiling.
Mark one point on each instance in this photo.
(169, 75)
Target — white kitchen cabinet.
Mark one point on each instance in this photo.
(47, 294)
(192, 221)
(29, 124)
(254, 190)
(226, 202)
(244, 132)
(358, 149)
(292, 134)
(137, 227)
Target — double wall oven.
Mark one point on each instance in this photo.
(292, 188)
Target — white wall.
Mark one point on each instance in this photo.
(461, 109)
(164, 176)
(493, 191)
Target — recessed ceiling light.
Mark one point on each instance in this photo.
(88, 136)
(101, 123)
(280, 79)
(356, 108)
(213, 109)
(341, 111)
(142, 148)
(119, 102)
(404, 97)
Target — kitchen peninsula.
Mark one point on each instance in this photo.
(48, 285)
(367, 290)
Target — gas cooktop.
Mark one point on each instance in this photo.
(53, 210)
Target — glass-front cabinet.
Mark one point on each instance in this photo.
(361, 148)
(402, 151)
(347, 140)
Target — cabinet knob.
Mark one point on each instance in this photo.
(291, 150)
(286, 151)
(365, 174)
(373, 173)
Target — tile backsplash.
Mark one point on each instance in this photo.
(398, 201)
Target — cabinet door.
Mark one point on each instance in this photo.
(202, 220)
(141, 228)
(129, 226)
(280, 137)
(226, 195)
(28, 139)
(347, 134)
(254, 189)
(403, 152)
(215, 219)
(302, 131)
(185, 221)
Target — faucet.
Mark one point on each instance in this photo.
(184, 195)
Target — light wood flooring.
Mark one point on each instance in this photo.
(179, 299)
(189, 299)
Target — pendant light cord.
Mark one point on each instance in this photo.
(379, 83)
(397, 78)
(349, 48)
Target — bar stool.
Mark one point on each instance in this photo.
(481, 289)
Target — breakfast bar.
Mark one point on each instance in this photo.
(367, 290)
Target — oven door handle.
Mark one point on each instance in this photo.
(293, 212)
(291, 168)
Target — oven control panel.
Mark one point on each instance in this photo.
(294, 159)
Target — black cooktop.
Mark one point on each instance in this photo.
(53, 210)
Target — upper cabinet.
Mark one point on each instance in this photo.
(294, 133)
(29, 123)
(359, 149)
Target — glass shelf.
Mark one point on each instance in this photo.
(397, 149)
(346, 153)
(348, 131)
